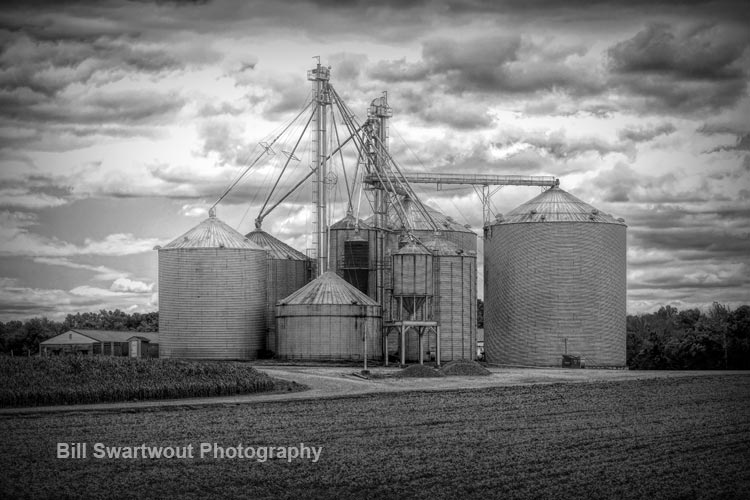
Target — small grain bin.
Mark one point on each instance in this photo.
(455, 301)
(328, 319)
(555, 284)
(212, 294)
(288, 270)
(412, 270)
(412, 297)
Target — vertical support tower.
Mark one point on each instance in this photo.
(378, 113)
(319, 76)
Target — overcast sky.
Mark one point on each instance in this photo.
(121, 122)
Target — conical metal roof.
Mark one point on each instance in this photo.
(276, 248)
(212, 233)
(439, 246)
(556, 205)
(412, 248)
(328, 288)
(350, 222)
(417, 220)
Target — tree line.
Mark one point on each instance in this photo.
(23, 337)
(668, 339)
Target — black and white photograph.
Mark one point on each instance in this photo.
(401, 249)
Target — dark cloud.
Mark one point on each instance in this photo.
(461, 118)
(435, 110)
(479, 64)
(734, 121)
(646, 134)
(711, 279)
(348, 66)
(567, 11)
(398, 70)
(682, 70)
(742, 144)
(694, 243)
(623, 183)
(48, 67)
(703, 53)
(54, 89)
(493, 64)
(38, 184)
(129, 107)
(617, 184)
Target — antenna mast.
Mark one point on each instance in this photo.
(319, 76)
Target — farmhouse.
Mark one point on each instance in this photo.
(103, 342)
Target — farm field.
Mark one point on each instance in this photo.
(67, 380)
(663, 438)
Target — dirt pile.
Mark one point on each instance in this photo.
(464, 368)
(418, 371)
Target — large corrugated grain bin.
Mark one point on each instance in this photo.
(328, 319)
(555, 284)
(212, 294)
(288, 271)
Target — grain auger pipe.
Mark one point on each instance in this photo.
(266, 149)
(262, 215)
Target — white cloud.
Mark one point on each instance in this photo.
(17, 240)
(194, 210)
(102, 272)
(27, 200)
(126, 285)
(92, 291)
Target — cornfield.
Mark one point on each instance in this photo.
(39, 381)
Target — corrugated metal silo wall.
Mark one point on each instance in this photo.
(285, 276)
(328, 332)
(456, 307)
(212, 303)
(547, 282)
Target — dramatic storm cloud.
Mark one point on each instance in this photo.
(121, 123)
